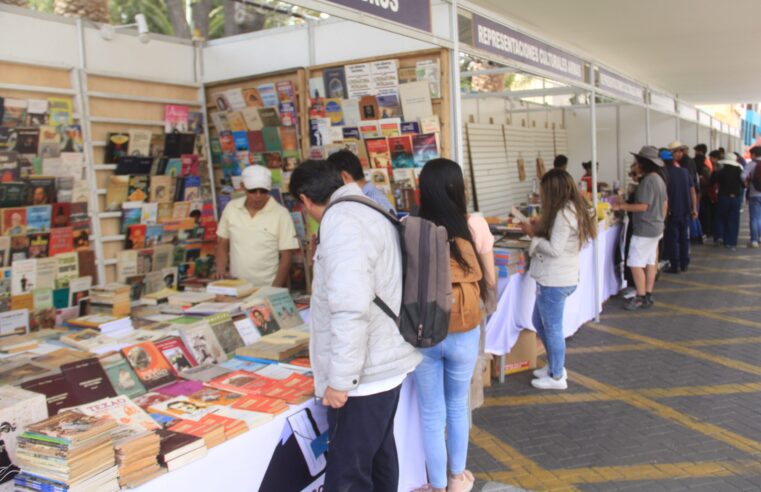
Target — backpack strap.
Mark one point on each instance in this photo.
(363, 200)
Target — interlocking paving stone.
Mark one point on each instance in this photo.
(712, 279)
(728, 484)
(739, 413)
(520, 385)
(747, 315)
(676, 328)
(594, 434)
(595, 338)
(744, 352)
(481, 461)
(702, 299)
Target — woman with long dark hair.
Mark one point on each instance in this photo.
(565, 225)
(443, 378)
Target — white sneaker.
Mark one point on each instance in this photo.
(629, 293)
(548, 383)
(544, 372)
(753, 245)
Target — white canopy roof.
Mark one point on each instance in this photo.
(702, 50)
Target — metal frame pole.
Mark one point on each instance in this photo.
(647, 125)
(456, 103)
(84, 120)
(595, 244)
(198, 53)
(621, 172)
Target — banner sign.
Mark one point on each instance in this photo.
(662, 102)
(501, 40)
(618, 85)
(412, 13)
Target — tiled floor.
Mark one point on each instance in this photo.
(671, 402)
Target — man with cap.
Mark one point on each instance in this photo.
(731, 194)
(256, 236)
(682, 207)
(683, 160)
(648, 214)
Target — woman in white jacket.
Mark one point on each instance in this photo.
(565, 225)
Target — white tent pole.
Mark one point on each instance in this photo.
(621, 166)
(647, 125)
(456, 104)
(595, 244)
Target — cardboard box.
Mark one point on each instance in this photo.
(477, 385)
(486, 375)
(522, 356)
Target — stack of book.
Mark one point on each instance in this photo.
(231, 288)
(212, 432)
(111, 326)
(68, 451)
(509, 261)
(136, 455)
(178, 449)
(188, 299)
(110, 299)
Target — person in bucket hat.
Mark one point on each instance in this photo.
(648, 216)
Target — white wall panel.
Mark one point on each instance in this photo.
(33, 39)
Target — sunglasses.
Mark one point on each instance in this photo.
(257, 191)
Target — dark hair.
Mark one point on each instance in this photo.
(345, 160)
(755, 151)
(317, 180)
(649, 167)
(561, 161)
(587, 165)
(443, 202)
(702, 148)
(558, 189)
(715, 154)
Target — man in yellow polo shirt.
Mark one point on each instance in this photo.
(256, 236)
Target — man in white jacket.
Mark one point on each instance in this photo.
(359, 358)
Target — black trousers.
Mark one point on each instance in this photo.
(677, 242)
(362, 450)
(707, 211)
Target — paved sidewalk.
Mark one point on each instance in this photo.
(663, 399)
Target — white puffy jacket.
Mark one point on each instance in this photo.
(352, 340)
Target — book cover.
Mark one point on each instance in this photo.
(380, 179)
(88, 380)
(81, 235)
(224, 330)
(61, 111)
(139, 142)
(288, 138)
(134, 165)
(149, 364)
(23, 276)
(137, 190)
(219, 120)
(183, 387)
(389, 106)
(252, 119)
(269, 117)
(153, 234)
(190, 165)
(424, 148)
(192, 188)
(369, 129)
(173, 167)
(149, 213)
(272, 139)
(38, 245)
(132, 213)
(68, 268)
(135, 236)
(117, 192)
(268, 95)
(19, 248)
(27, 140)
(227, 141)
(335, 82)
(121, 410)
(236, 122)
(161, 189)
(5, 253)
(175, 351)
(175, 118)
(416, 100)
(261, 316)
(176, 144)
(57, 391)
(195, 122)
(14, 221)
(38, 219)
(215, 397)
(60, 215)
(122, 377)
(252, 98)
(284, 310)
(40, 190)
(116, 147)
(288, 113)
(351, 113)
(334, 111)
(378, 153)
(242, 382)
(400, 149)
(430, 124)
(390, 127)
(78, 212)
(235, 99)
(368, 108)
(202, 343)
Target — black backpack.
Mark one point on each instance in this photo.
(427, 288)
(756, 177)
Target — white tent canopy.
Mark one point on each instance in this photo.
(698, 49)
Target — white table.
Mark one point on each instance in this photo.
(517, 293)
(272, 452)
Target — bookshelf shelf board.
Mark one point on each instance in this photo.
(144, 99)
(113, 239)
(126, 121)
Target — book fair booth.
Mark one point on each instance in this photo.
(118, 156)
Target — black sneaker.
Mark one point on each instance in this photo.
(648, 301)
(635, 303)
(671, 270)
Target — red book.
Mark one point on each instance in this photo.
(61, 240)
(256, 142)
(150, 365)
(136, 236)
(175, 351)
(210, 231)
(243, 382)
(191, 165)
(262, 404)
(60, 215)
(227, 141)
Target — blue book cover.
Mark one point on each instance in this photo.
(237, 364)
(410, 127)
(38, 219)
(173, 167)
(130, 215)
(153, 234)
(192, 189)
(241, 140)
(268, 95)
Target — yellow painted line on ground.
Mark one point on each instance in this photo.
(720, 389)
(711, 315)
(648, 314)
(680, 348)
(543, 399)
(636, 400)
(720, 341)
(524, 472)
(660, 471)
(609, 348)
(723, 288)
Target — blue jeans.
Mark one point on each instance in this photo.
(548, 321)
(728, 218)
(755, 217)
(443, 386)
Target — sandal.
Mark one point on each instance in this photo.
(464, 484)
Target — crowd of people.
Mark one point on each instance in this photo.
(359, 356)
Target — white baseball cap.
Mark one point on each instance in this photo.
(256, 177)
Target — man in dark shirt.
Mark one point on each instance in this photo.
(682, 207)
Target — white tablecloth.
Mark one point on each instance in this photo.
(273, 450)
(516, 298)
